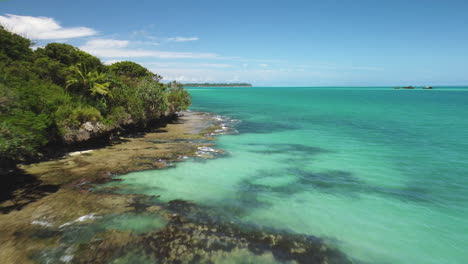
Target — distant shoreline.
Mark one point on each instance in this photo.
(217, 85)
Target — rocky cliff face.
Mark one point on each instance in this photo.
(85, 132)
(96, 129)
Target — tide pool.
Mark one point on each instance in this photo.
(380, 173)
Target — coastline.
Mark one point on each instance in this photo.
(69, 222)
(59, 191)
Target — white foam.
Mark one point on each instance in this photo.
(80, 219)
(76, 153)
(42, 223)
(207, 149)
(66, 258)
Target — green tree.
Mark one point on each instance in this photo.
(69, 55)
(22, 133)
(154, 98)
(178, 97)
(130, 69)
(124, 96)
(89, 81)
(14, 47)
(50, 92)
(8, 99)
(53, 70)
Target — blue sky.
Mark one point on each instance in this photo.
(328, 42)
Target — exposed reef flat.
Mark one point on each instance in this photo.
(57, 192)
(59, 219)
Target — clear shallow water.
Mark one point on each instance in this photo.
(381, 173)
(83, 232)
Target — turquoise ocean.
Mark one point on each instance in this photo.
(380, 173)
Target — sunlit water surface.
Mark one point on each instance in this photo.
(381, 173)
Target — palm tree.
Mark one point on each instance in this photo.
(79, 78)
(92, 81)
(98, 83)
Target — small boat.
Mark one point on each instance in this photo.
(427, 87)
(408, 87)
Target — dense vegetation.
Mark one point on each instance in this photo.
(60, 94)
(217, 85)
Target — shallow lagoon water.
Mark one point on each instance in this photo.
(83, 232)
(380, 173)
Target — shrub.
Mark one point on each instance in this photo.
(22, 134)
(178, 97)
(83, 114)
(154, 98)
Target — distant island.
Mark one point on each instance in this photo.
(217, 85)
(412, 87)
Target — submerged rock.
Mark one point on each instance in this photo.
(199, 235)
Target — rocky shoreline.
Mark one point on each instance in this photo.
(57, 191)
(38, 221)
(195, 234)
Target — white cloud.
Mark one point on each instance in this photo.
(183, 39)
(145, 43)
(144, 34)
(209, 75)
(111, 48)
(263, 65)
(254, 76)
(106, 43)
(215, 65)
(42, 28)
(191, 65)
(324, 66)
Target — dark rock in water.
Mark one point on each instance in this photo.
(195, 234)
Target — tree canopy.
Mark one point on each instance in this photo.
(48, 94)
(130, 69)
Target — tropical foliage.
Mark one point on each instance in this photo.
(47, 93)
